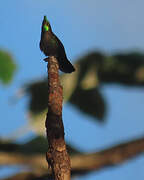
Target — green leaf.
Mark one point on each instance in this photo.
(7, 67)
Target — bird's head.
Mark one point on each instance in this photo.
(46, 25)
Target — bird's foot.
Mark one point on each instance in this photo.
(46, 59)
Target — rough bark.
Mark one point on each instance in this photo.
(57, 156)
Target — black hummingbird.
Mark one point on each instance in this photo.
(52, 46)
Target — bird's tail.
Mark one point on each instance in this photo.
(66, 67)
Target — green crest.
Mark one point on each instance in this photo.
(46, 28)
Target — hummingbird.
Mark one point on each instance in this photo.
(52, 46)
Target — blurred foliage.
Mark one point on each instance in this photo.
(121, 68)
(38, 145)
(82, 88)
(89, 101)
(126, 69)
(39, 96)
(7, 67)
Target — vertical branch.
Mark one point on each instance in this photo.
(57, 155)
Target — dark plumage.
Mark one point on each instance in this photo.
(52, 46)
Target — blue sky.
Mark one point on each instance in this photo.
(82, 25)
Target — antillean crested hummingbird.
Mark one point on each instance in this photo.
(52, 46)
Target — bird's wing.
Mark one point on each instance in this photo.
(41, 45)
(61, 49)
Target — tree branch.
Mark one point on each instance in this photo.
(24, 176)
(80, 163)
(112, 156)
(57, 156)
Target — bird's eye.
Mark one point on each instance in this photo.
(46, 28)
